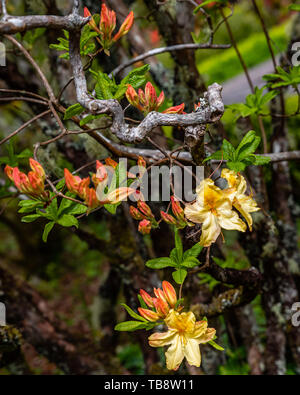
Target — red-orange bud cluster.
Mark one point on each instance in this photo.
(165, 300)
(147, 101)
(32, 184)
(178, 219)
(107, 25)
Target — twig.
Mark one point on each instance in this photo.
(172, 48)
(28, 123)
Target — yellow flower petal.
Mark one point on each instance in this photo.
(184, 322)
(207, 336)
(196, 212)
(237, 188)
(229, 219)
(192, 352)
(246, 205)
(210, 230)
(161, 339)
(200, 329)
(175, 354)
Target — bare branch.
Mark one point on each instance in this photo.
(14, 24)
(212, 112)
(172, 48)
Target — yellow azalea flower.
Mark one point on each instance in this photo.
(236, 192)
(213, 209)
(184, 336)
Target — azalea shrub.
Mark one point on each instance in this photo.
(206, 278)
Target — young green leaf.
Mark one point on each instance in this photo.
(47, 230)
(215, 345)
(194, 251)
(73, 110)
(30, 218)
(178, 245)
(179, 276)
(190, 262)
(130, 326)
(142, 303)
(160, 263)
(132, 313)
(68, 220)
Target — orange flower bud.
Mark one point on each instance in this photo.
(132, 96)
(145, 209)
(111, 162)
(31, 184)
(177, 209)
(169, 219)
(21, 181)
(142, 162)
(72, 182)
(159, 294)
(92, 22)
(135, 213)
(170, 293)
(86, 12)
(151, 97)
(148, 314)
(101, 173)
(37, 168)
(145, 227)
(161, 307)
(175, 110)
(146, 298)
(37, 184)
(160, 100)
(125, 27)
(91, 198)
(107, 21)
(9, 172)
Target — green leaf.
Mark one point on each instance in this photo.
(27, 206)
(105, 87)
(178, 245)
(130, 326)
(112, 208)
(73, 110)
(236, 166)
(294, 7)
(142, 302)
(30, 218)
(228, 150)
(174, 257)
(194, 251)
(218, 155)
(25, 154)
(261, 160)
(132, 313)
(179, 276)
(215, 345)
(190, 262)
(160, 263)
(247, 146)
(68, 220)
(52, 210)
(137, 77)
(47, 230)
(69, 207)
